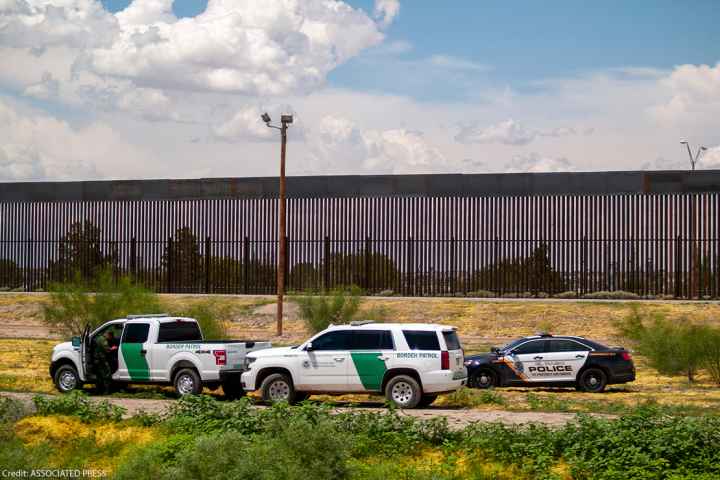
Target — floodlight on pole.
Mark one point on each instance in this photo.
(285, 120)
(693, 159)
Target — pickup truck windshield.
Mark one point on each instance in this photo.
(177, 332)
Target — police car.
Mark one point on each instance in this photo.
(547, 360)
(409, 363)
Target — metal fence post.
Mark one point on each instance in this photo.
(367, 264)
(133, 258)
(246, 261)
(326, 282)
(170, 259)
(208, 264)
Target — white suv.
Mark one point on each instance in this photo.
(410, 363)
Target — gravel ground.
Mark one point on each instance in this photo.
(457, 418)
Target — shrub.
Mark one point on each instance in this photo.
(319, 311)
(567, 295)
(710, 347)
(209, 315)
(671, 347)
(615, 295)
(74, 305)
(11, 411)
(481, 294)
(78, 404)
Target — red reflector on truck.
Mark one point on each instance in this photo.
(445, 360)
(220, 357)
(626, 356)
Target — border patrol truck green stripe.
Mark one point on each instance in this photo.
(370, 369)
(136, 364)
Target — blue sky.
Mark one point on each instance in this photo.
(524, 41)
(121, 89)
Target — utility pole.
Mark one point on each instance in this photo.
(285, 120)
(693, 160)
(694, 255)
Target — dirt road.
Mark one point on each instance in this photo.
(457, 418)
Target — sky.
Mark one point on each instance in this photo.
(118, 89)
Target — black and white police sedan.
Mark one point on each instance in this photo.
(546, 360)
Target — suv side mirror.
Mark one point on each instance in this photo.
(75, 341)
(494, 349)
(309, 347)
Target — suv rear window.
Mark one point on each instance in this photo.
(179, 332)
(451, 340)
(371, 340)
(422, 340)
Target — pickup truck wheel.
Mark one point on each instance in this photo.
(67, 379)
(403, 391)
(278, 387)
(187, 382)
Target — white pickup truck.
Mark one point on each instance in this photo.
(155, 349)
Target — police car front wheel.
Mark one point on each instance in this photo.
(592, 380)
(403, 391)
(483, 379)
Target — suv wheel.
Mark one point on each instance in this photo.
(403, 391)
(66, 379)
(278, 387)
(592, 380)
(187, 382)
(483, 379)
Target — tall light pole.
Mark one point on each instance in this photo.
(285, 120)
(693, 160)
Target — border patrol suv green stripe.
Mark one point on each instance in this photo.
(370, 369)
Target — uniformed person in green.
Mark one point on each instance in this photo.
(102, 359)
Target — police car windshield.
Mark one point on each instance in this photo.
(512, 345)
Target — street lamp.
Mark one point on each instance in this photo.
(693, 160)
(285, 120)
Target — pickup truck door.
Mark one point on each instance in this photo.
(85, 349)
(324, 368)
(134, 359)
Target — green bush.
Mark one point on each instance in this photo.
(78, 404)
(709, 345)
(78, 303)
(614, 295)
(671, 347)
(210, 315)
(338, 307)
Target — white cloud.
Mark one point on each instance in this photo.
(36, 146)
(508, 132)
(253, 47)
(340, 146)
(386, 11)
(694, 94)
(535, 163)
(246, 125)
(450, 62)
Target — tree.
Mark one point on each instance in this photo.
(534, 273)
(374, 272)
(11, 276)
(80, 252)
(183, 262)
(76, 303)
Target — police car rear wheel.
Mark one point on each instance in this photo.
(483, 379)
(278, 388)
(66, 378)
(403, 391)
(592, 380)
